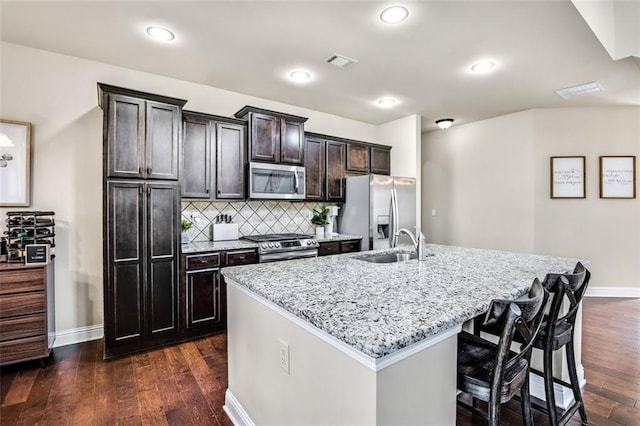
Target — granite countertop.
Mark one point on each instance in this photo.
(205, 246)
(381, 308)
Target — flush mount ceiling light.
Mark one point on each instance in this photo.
(300, 76)
(394, 14)
(444, 123)
(483, 66)
(386, 102)
(161, 34)
(581, 90)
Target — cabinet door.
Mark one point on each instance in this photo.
(357, 158)
(335, 171)
(123, 295)
(203, 298)
(292, 142)
(124, 126)
(230, 161)
(381, 161)
(162, 136)
(163, 216)
(314, 168)
(196, 147)
(265, 138)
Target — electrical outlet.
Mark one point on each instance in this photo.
(433, 212)
(284, 355)
(195, 217)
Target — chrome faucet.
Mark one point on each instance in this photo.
(420, 244)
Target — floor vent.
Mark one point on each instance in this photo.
(581, 90)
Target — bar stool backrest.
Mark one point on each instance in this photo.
(571, 286)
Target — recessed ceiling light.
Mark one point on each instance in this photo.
(160, 33)
(394, 14)
(444, 123)
(300, 76)
(483, 66)
(386, 102)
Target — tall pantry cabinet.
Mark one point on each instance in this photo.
(141, 197)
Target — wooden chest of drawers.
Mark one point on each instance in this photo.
(27, 321)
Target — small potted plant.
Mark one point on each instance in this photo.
(320, 218)
(185, 225)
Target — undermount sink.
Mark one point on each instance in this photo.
(388, 257)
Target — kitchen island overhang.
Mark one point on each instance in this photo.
(366, 343)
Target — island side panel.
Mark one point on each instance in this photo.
(420, 390)
(324, 386)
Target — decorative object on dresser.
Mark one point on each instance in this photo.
(15, 163)
(27, 314)
(26, 228)
(141, 196)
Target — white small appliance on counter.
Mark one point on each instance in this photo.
(332, 216)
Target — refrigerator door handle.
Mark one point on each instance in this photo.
(393, 238)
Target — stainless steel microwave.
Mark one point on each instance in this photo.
(276, 181)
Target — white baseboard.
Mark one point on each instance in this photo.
(633, 292)
(78, 335)
(563, 395)
(235, 411)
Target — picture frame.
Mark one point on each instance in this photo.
(15, 163)
(618, 176)
(567, 177)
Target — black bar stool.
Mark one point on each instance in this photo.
(492, 372)
(557, 332)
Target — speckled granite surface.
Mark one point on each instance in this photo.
(204, 246)
(381, 308)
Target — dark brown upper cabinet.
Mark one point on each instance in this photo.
(274, 137)
(381, 160)
(314, 164)
(213, 156)
(357, 158)
(142, 133)
(335, 166)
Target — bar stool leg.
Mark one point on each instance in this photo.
(525, 403)
(548, 385)
(575, 385)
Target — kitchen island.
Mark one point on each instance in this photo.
(338, 340)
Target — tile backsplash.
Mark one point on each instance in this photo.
(252, 217)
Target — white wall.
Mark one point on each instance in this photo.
(404, 136)
(489, 184)
(58, 95)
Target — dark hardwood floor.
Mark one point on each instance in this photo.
(185, 384)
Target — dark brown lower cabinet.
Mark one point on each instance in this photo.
(337, 247)
(203, 290)
(141, 265)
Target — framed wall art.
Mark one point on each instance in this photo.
(618, 176)
(15, 163)
(567, 177)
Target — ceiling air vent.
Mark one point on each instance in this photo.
(581, 90)
(340, 61)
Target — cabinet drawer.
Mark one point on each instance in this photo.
(21, 304)
(23, 349)
(20, 327)
(243, 257)
(328, 248)
(349, 246)
(22, 280)
(203, 261)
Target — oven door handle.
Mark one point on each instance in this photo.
(273, 257)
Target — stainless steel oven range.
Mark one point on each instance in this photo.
(273, 247)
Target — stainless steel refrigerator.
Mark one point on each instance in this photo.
(376, 207)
